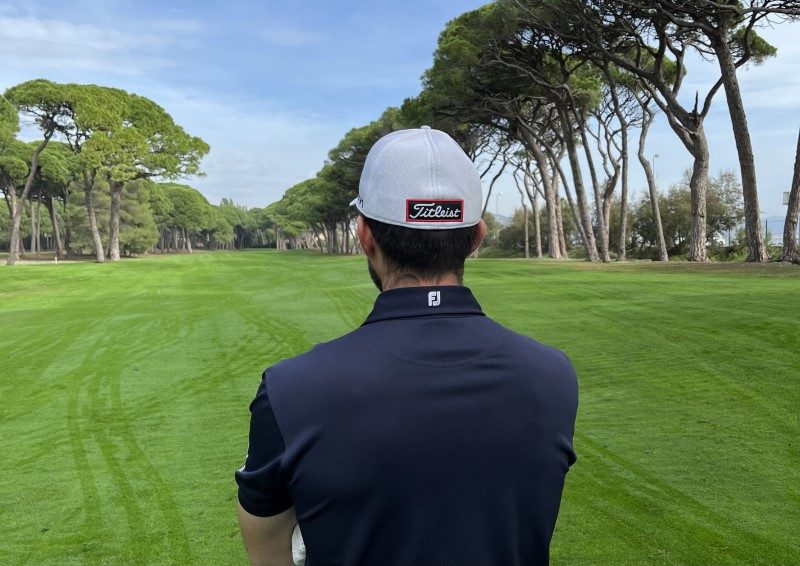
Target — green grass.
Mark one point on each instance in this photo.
(124, 391)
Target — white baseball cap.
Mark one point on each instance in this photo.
(422, 179)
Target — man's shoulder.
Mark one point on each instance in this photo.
(323, 356)
(525, 345)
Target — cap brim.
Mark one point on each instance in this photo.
(354, 201)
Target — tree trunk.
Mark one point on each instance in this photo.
(550, 194)
(65, 202)
(789, 252)
(527, 235)
(622, 251)
(187, 244)
(556, 168)
(698, 185)
(580, 194)
(651, 185)
(605, 228)
(756, 250)
(491, 185)
(16, 205)
(38, 222)
(32, 218)
(551, 207)
(353, 238)
(113, 231)
(575, 216)
(599, 202)
(36, 240)
(537, 227)
(97, 242)
(334, 238)
(58, 246)
(562, 238)
(16, 221)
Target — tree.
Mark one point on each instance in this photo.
(57, 172)
(514, 237)
(83, 236)
(467, 87)
(220, 233)
(189, 215)
(339, 178)
(638, 39)
(163, 209)
(139, 231)
(725, 31)
(146, 144)
(83, 115)
(13, 171)
(725, 210)
(655, 212)
(43, 101)
(789, 252)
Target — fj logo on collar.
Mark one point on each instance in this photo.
(434, 299)
(434, 210)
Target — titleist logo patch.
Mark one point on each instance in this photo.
(434, 210)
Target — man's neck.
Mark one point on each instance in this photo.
(405, 280)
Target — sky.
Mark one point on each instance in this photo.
(272, 86)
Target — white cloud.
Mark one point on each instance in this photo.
(258, 150)
(62, 32)
(37, 44)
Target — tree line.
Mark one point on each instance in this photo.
(555, 93)
(525, 234)
(101, 179)
(108, 140)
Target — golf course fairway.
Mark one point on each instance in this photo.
(124, 392)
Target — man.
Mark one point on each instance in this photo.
(431, 434)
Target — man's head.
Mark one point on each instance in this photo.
(420, 204)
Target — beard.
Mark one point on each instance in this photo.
(374, 275)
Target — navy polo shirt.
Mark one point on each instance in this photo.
(429, 435)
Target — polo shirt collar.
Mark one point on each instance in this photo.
(411, 302)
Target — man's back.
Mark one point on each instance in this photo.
(429, 435)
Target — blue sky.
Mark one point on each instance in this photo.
(273, 85)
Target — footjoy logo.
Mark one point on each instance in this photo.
(434, 299)
(434, 210)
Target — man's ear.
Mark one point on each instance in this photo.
(479, 236)
(365, 237)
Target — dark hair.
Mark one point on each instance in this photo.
(424, 252)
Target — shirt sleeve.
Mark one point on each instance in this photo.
(263, 490)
